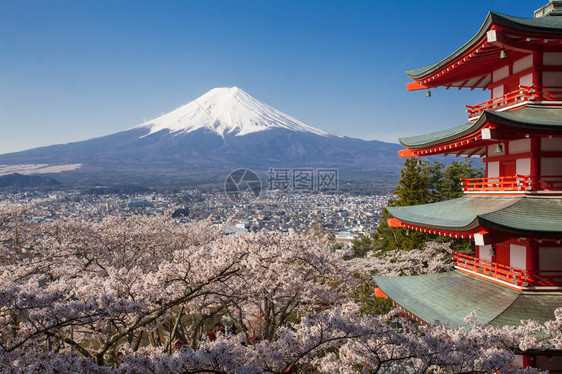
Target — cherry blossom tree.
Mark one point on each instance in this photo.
(117, 295)
(433, 258)
(91, 287)
(17, 231)
(341, 340)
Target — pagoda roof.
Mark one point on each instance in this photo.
(529, 117)
(450, 297)
(521, 215)
(534, 26)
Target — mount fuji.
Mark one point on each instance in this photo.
(226, 111)
(225, 128)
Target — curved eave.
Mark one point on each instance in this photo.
(440, 137)
(530, 117)
(424, 71)
(450, 297)
(456, 215)
(530, 216)
(537, 216)
(537, 26)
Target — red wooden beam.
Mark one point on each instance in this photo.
(415, 86)
(407, 153)
(394, 222)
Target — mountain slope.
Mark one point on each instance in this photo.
(16, 180)
(224, 129)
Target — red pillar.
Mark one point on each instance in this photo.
(535, 156)
(537, 68)
(528, 361)
(532, 259)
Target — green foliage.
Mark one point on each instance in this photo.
(413, 184)
(361, 246)
(421, 182)
(363, 295)
(450, 186)
(390, 238)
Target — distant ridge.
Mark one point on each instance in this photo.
(16, 180)
(224, 129)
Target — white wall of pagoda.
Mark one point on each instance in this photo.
(552, 78)
(551, 145)
(519, 146)
(517, 153)
(483, 252)
(498, 75)
(547, 73)
(518, 256)
(493, 169)
(552, 58)
(523, 254)
(551, 166)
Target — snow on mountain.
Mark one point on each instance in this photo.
(226, 110)
(184, 144)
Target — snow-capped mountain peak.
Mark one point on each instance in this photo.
(227, 110)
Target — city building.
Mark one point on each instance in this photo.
(514, 214)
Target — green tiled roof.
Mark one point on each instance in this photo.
(537, 305)
(426, 140)
(531, 117)
(530, 214)
(457, 214)
(536, 25)
(535, 117)
(522, 214)
(450, 297)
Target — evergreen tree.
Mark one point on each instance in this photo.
(413, 187)
(421, 182)
(450, 186)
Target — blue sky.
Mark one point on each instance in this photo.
(73, 70)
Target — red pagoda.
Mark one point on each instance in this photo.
(514, 214)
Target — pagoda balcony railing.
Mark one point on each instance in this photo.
(521, 183)
(517, 277)
(521, 95)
